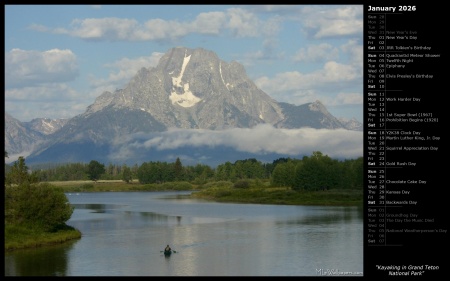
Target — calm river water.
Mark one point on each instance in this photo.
(125, 232)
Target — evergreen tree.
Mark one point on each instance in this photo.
(178, 170)
(19, 173)
(95, 170)
(126, 174)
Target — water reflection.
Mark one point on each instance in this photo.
(124, 235)
(98, 208)
(45, 261)
(327, 216)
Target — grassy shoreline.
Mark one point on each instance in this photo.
(25, 237)
(224, 191)
(283, 196)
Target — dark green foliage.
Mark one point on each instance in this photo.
(249, 169)
(162, 187)
(160, 172)
(154, 172)
(280, 160)
(178, 170)
(176, 186)
(95, 170)
(40, 205)
(320, 172)
(283, 174)
(61, 172)
(126, 174)
(18, 174)
(315, 172)
(225, 172)
(199, 174)
(37, 205)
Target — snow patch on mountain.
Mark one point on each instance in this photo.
(223, 81)
(186, 98)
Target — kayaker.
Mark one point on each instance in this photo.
(167, 248)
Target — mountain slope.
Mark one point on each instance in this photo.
(20, 138)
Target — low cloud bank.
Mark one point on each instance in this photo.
(260, 140)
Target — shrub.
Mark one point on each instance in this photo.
(41, 205)
(223, 193)
(242, 184)
(218, 184)
(182, 185)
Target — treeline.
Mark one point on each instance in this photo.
(315, 172)
(79, 171)
(319, 172)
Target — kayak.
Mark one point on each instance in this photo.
(168, 253)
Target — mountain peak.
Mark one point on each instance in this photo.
(186, 84)
(318, 106)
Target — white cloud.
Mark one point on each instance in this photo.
(55, 100)
(348, 98)
(27, 68)
(46, 93)
(331, 73)
(337, 72)
(38, 27)
(243, 23)
(276, 9)
(317, 53)
(261, 139)
(355, 53)
(240, 22)
(104, 28)
(333, 85)
(123, 70)
(209, 23)
(320, 23)
(158, 29)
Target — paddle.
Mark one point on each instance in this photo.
(164, 251)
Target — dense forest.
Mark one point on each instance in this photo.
(315, 172)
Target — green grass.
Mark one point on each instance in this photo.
(22, 236)
(118, 185)
(91, 186)
(282, 196)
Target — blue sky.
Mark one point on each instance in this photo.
(59, 58)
